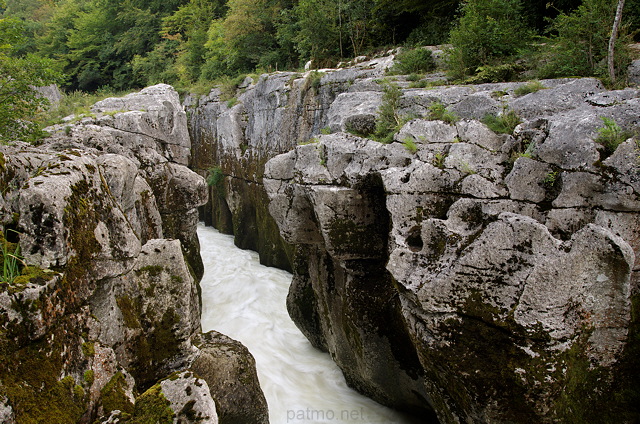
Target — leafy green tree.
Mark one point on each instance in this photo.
(19, 100)
(319, 37)
(579, 42)
(488, 31)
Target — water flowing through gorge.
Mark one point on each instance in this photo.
(246, 301)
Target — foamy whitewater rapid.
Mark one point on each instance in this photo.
(247, 302)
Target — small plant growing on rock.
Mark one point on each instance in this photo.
(466, 168)
(504, 123)
(438, 160)
(611, 135)
(530, 87)
(438, 111)
(325, 131)
(550, 179)
(215, 176)
(12, 261)
(410, 145)
(389, 120)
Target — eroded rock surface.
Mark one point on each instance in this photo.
(107, 307)
(489, 278)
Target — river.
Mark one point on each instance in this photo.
(246, 301)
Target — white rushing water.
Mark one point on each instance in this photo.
(246, 301)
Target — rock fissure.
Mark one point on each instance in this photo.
(495, 253)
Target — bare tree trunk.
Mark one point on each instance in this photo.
(612, 40)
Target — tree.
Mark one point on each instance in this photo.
(612, 41)
(19, 100)
(488, 31)
(579, 42)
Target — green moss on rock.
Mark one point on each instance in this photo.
(152, 408)
(30, 379)
(113, 396)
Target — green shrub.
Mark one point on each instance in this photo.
(488, 30)
(504, 123)
(438, 111)
(410, 145)
(580, 43)
(413, 62)
(495, 73)
(215, 176)
(611, 135)
(389, 120)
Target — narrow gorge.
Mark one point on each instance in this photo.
(456, 273)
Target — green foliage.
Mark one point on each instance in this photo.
(314, 80)
(610, 136)
(113, 396)
(530, 87)
(495, 73)
(579, 41)
(413, 62)
(325, 131)
(19, 101)
(330, 29)
(89, 377)
(550, 179)
(438, 159)
(504, 123)
(438, 111)
(488, 30)
(215, 176)
(389, 120)
(12, 261)
(410, 144)
(76, 103)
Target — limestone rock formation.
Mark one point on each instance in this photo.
(102, 220)
(271, 115)
(485, 277)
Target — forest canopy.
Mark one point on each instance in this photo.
(128, 44)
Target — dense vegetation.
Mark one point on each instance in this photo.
(127, 44)
(132, 43)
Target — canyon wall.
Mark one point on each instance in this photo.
(457, 273)
(103, 322)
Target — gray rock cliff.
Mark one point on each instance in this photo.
(482, 277)
(492, 278)
(107, 305)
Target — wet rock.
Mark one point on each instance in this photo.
(229, 370)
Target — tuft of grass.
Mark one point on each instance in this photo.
(314, 80)
(410, 145)
(610, 136)
(504, 123)
(325, 131)
(12, 261)
(438, 111)
(530, 87)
